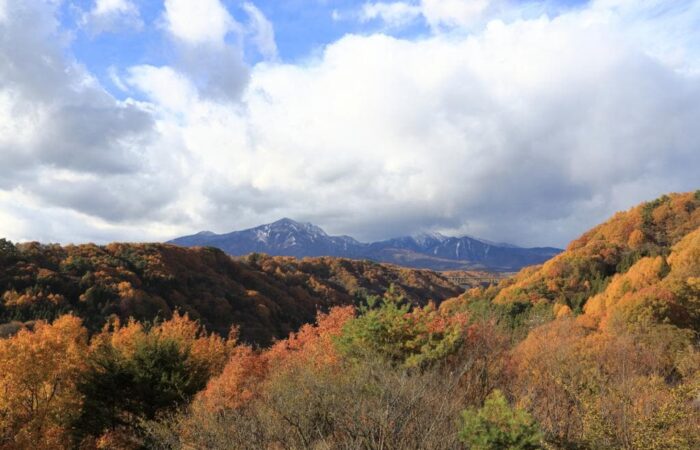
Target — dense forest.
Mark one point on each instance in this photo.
(595, 349)
(264, 297)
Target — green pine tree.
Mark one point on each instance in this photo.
(498, 426)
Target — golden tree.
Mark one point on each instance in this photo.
(38, 373)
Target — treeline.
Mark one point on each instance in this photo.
(265, 297)
(524, 365)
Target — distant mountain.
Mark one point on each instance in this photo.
(282, 238)
(438, 252)
(434, 251)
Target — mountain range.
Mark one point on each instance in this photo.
(433, 251)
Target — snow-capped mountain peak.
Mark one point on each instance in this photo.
(293, 226)
(287, 237)
(425, 237)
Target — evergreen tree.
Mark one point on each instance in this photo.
(497, 426)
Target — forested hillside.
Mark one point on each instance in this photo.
(266, 297)
(589, 263)
(607, 352)
(597, 349)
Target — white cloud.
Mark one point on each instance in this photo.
(112, 15)
(262, 31)
(199, 22)
(394, 14)
(527, 130)
(438, 14)
(164, 87)
(530, 131)
(451, 13)
(115, 78)
(666, 30)
(3, 10)
(210, 46)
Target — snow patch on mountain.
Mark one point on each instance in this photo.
(432, 250)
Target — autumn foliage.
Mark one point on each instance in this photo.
(265, 297)
(596, 349)
(585, 268)
(38, 383)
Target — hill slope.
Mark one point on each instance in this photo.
(267, 297)
(649, 256)
(427, 251)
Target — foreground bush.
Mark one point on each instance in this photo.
(360, 406)
(497, 426)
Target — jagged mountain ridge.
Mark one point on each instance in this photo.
(434, 251)
(285, 237)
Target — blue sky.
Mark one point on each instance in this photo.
(302, 29)
(522, 122)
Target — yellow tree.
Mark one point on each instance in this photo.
(38, 374)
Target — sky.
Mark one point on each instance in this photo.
(516, 121)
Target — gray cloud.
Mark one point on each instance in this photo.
(117, 198)
(218, 71)
(76, 124)
(95, 138)
(69, 143)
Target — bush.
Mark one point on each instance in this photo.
(387, 328)
(372, 405)
(497, 426)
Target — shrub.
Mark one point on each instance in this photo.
(497, 426)
(387, 328)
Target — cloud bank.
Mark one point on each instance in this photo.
(500, 123)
